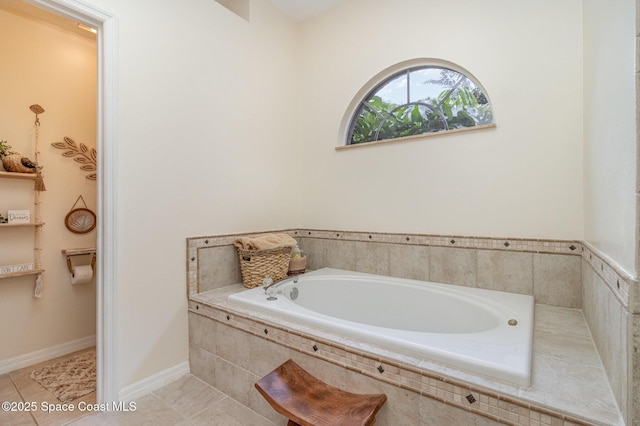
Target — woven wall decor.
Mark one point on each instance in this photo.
(81, 153)
(80, 220)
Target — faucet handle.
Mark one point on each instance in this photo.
(266, 282)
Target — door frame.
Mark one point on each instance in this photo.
(106, 271)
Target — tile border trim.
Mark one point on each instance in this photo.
(621, 283)
(548, 246)
(569, 247)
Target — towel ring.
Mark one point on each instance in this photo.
(80, 220)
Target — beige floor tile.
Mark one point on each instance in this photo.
(98, 419)
(149, 410)
(16, 418)
(189, 395)
(229, 412)
(14, 414)
(58, 418)
(8, 391)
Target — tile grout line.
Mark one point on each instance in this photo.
(15, 386)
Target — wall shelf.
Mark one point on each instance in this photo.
(13, 175)
(36, 225)
(21, 274)
(9, 225)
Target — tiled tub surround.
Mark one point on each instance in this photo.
(232, 348)
(610, 307)
(550, 270)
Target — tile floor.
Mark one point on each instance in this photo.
(187, 401)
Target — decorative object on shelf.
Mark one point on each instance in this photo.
(80, 220)
(37, 109)
(81, 153)
(15, 162)
(19, 216)
(11, 269)
(5, 149)
(3, 219)
(37, 290)
(297, 262)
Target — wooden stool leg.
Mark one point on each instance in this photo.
(292, 423)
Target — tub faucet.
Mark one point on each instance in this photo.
(268, 283)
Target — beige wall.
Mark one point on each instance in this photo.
(610, 129)
(205, 120)
(521, 179)
(54, 68)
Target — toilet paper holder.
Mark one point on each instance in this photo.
(79, 252)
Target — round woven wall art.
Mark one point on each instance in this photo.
(80, 220)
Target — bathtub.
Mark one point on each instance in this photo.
(486, 332)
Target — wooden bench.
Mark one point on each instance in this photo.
(307, 401)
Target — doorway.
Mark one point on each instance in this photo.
(106, 301)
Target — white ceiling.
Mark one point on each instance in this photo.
(305, 9)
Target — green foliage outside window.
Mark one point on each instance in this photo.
(460, 104)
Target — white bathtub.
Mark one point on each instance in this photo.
(462, 327)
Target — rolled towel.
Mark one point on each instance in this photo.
(265, 242)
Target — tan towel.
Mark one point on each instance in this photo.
(265, 242)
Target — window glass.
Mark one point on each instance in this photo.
(418, 100)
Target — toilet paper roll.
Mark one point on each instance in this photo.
(82, 274)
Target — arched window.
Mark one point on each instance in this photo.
(418, 100)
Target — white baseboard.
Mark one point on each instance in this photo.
(46, 354)
(148, 385)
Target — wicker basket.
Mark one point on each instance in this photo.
(256, 265)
